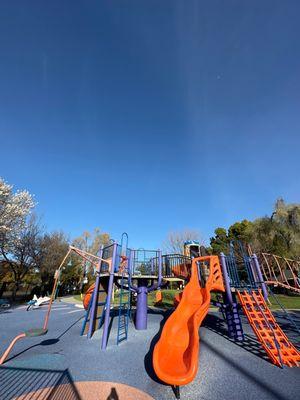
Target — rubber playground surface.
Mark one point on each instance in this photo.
(63, 365)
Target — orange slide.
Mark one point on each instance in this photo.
(175, 356)
(87, 296)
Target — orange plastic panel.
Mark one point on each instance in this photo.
(158, 296)
(87, 296)
(177, 299)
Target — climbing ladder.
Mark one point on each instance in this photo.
(235, 329)
(272, 338)
(124, 311)
(232, 317)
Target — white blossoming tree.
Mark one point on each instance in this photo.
(15, 209)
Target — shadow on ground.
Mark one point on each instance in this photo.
(148, 357)
(217, 325)
(290, 326)
(51, 384)
(20, 383)
(242, 371)
(47, 342)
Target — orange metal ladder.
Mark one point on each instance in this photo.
(278, 347)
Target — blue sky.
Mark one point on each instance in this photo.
(153, 116)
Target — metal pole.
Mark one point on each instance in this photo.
(93, 311)
(260, 277)
(56, 278)
(109, 295)
(226, 278)
(159, 281)
(7, 351)
(159, 268)
(130, 270)
(152, 266)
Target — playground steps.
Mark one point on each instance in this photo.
(232, 317)
(124, 312)
(234, 323)
(274, 341)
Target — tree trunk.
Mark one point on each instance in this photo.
(15, 289)
(27, 288)
(2, 289)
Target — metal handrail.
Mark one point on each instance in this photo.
(285, 311)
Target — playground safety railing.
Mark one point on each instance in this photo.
(145, 262)
(280, 271)
(240, 273)
(176, 265)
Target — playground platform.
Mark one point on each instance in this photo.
(228, 370)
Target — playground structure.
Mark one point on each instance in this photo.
(280, 271)
(241, 283)
(135, 273)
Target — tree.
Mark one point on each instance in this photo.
(280, 233)
(14, 210)
(241, 231)
(97, 240)
(52, 249)
(15, 237)
(175, 240)
(219, 243)
(4, 276)
(21, 253)
(90, 242)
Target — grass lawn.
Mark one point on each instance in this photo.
(167, 298)
(288, 302)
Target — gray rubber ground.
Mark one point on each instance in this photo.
(226, 370)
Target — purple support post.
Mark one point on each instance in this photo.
(253, 269)
(108, 299)
(260, 277)
(234, 323)
(141, 305)
(226, 278)
(93, 312)
(142, 296)
(130, 269)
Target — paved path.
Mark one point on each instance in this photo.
(226, 370)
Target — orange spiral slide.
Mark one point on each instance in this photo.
(175, 356)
